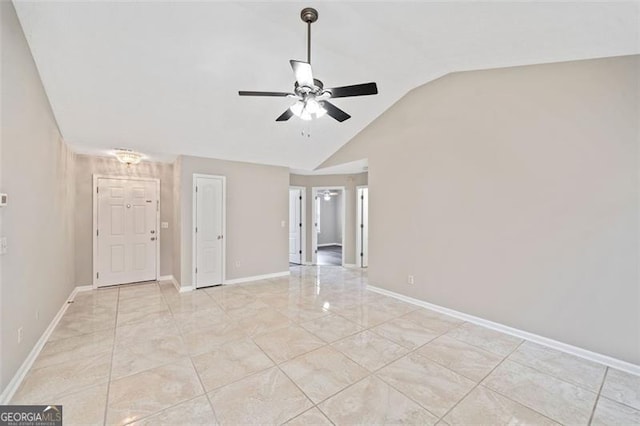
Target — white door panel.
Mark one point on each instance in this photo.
(295, 226)
(126, 234)
(209, 235)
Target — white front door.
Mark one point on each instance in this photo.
(126, 233)
(209, 234)
(362, 240)
(295, 226)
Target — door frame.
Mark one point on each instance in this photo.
(314, 235)
(194, 281)
(358, 231)
(96, 177)
(303, 217)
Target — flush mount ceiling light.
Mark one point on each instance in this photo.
(127, 156)
(312, 99)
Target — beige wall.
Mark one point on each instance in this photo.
(512, 194)
(350, 182)
(86, 167)
(37, 173)
(257, 203)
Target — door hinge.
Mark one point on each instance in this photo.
(97, 189)
(362, 225)
(361, 254)
(362, 197)
(196, 270)
(196, 229)
(196, 189)
(300, 225)
(97, 232)
(97, 275)
(300, 198)
(300, 252)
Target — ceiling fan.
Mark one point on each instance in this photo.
(312, 99)
(328, 194)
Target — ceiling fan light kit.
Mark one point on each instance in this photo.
(312, 99)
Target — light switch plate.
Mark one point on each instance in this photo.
(164, 225)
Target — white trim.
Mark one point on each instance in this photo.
(359, 232)
(194, 282)
(303, 218)
(314, 234)
(257, 278)
(176, 284)
(541, 340)
(17, 379)
(185, 289)
(94, 280)
(350, 265)
(165, 278)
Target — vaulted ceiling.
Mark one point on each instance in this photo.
(162, 77)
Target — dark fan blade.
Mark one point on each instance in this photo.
(355, 90)
(285, 115)
(335, 112)
(303, 73)
(249, 93)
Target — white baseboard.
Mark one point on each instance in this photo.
(165, 278)
(256, 278)
(17, 379)
(330, 245)
(185, 289)
(350, 265)
(79, 289)
(541, 340)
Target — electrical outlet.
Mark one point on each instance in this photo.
(410, 280)
(20, 335)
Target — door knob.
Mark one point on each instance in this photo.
(153, 231)
(219, 236)
(153, 238)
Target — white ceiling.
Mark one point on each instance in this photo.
(162, 77)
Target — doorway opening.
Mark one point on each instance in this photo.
(297, 225)
(126, 220)
(328, 220)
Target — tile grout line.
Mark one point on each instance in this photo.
(595, 404)
(113, 350)
(480, 381)
(506, 396)
(190, 356)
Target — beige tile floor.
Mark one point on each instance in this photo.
(312, 348)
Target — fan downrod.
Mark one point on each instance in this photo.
(309, 15)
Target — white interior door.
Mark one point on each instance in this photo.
(126, 231)
(362, 241)
(209, 231)
(295, 226)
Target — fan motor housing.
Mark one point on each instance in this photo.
(309, 15)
